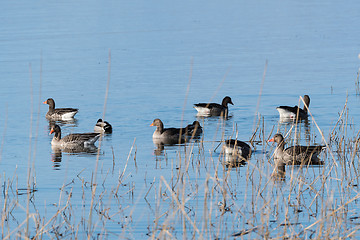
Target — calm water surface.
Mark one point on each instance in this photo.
(158, 51)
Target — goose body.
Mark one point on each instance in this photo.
(295, 155)
(237, 148)
(167, 135)
(293, 112)
(74, 140)
(103, 127)
(214, 109)
(59, 113)
(193, 129)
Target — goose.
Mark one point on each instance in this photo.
(295, 155)
(167, 135)
(59, 113)
(237, 148)
(103, 126)
(293, 112)
(74, 140)
(193, 129)
(214, 109)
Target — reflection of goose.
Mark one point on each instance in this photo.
(292, 112)
(167, 135)
(236, 152)
(62, 122)
(159, 147)
(72, 141)
(59, 113)
(214, 109)
(296, 155)
(56, 157)
(103, 127)
(92, 149)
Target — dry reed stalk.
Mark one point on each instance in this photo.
(260, 92)
(4, 132)
(31, 155)
(271, 208)
(29, 160)
(94, 186)
(42, 229)
(357, 83)
(181, 207)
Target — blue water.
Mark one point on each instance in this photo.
(155, 52)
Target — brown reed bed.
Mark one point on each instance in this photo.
(198, 196)
(202, 198)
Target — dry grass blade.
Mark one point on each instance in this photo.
(244, 232)
(260, 93)
(181, 206)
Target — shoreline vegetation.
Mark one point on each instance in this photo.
(200, 197)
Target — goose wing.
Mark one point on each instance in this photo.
(81, 138)
(303, 153)
(62, 111)
(209, 105)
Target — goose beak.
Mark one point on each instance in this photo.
(271, 140)
(45, 102)
(51, 131)
(152, 125)
(231, 103)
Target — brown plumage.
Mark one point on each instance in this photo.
(193, 129)
(168, 135)
(237, 148)
(293, 112)
(214, 109)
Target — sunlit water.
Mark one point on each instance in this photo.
(161, 58)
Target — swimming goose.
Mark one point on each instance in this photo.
(167, 135)
(193, 129)
(291, 112)
(59, 113)
(72, 140)
(237, 148)
(214, 109)
(295, 155)
(103, 127)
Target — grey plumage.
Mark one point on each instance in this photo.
(72, 140)
(59, 113)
